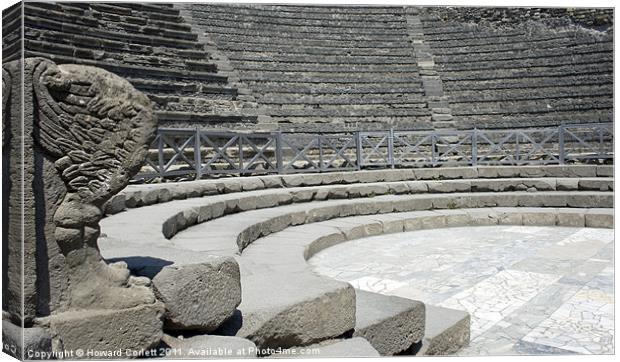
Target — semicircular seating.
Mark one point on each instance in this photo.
(271, 224)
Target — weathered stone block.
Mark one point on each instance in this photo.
(199, 296)
(115, 205)
(300, 310)
(446, 331)
(132, 329)
(391, 324)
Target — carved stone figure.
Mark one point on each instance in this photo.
(85, 133)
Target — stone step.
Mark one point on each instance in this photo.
(508, 121)
(323, 68)
(288, 13)
(119, 57)
(555, 61)
(323, 77)
(144, 196)
(347, 111)
(267, 40)
(446, 331)
(391, 324)
(266, 56)
(489, 74)
(212, 29)
(401, 49)
(43, 23)
(345, 88)
(582, 49)
(349, 29)
(162, 86)
(342, 99)
(250, 225)
(109, 11)
(304, 19)
(45, 12)
(130, 71)
(534, 92)
(299, 309)
(140, 195)
(203, 117)
(114, 46)
(525, 83)
(533, 107)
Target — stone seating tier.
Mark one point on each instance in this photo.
(151, 46)
(525, 74)
(141, 195)
(301, 63)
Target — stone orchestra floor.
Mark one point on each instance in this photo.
(529, 290)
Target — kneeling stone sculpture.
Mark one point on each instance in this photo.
(83, 135)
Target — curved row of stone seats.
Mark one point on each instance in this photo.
(342, 65)
(286, 252)
(288, 316)
(233, 233)
(199, 210)
(167, 219)
(142, 195)
(521, 74)
(151, 45)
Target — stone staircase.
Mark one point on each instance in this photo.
(270, 225)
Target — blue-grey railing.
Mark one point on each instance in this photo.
(194, 153)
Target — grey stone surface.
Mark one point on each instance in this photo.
(131, 329)
(209, 347)
(199, 296)
(391, 324)
(294, 309)
(446, 331)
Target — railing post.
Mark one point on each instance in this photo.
(160, 153)
(358, 150)
(318, 139)
(474, 147)
(197, 154)
(433, 146)
(279, 156)
(240, 143)
(391, 147)
(561, 144)
(517, 148)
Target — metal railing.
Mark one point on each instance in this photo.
(192, 153)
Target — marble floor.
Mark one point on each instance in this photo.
(529, 290)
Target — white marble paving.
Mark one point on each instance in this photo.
(529, 290)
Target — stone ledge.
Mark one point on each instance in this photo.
(142, 195)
